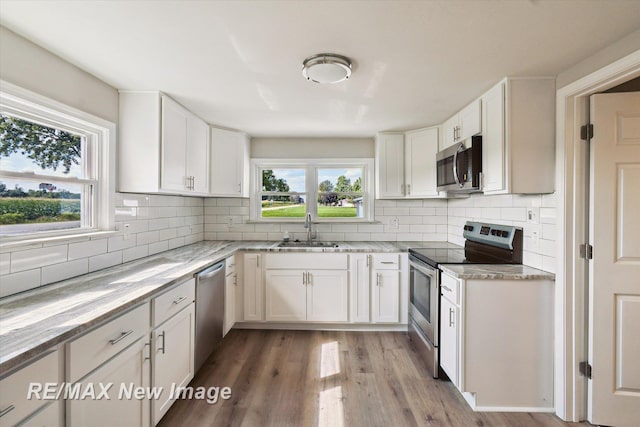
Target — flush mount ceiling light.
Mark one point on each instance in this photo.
(326, 68)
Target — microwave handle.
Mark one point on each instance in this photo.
(455, 164)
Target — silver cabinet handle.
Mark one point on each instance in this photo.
(240, 188)
(6, 410)
(193, 182)
(235, 280)
(377, 279)
(368, 260)
(163, 341)
(147, 344)
(387, 262)
(122, 336)
(308, 277)
(258, 261)
(446, 288)
(179, 300)
(451, 317)
(304, 278)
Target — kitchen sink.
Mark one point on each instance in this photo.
(298, 244)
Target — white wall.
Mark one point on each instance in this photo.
(312, 148)
(600, 59)
(38, 70)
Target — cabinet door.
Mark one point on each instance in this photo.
(493, 142)
(285, 295)
(449, 316)
(390, 166)
(128, 370)
(420, 149)
(229, 156)
(449, 132)
(173, 358)
(198, 154)
(230, 283)
(360, 279)
(252, 287)
(470, 120)
(327, 296)
(174, 146)
(386, 296)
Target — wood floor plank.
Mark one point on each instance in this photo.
(331, 379)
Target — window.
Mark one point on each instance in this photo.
(54, 168)
(330, 190)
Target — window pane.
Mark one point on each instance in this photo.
(30, 207)
(284, 180)
(285, 206)
(29, 147)
(340, 180)
(336, 205)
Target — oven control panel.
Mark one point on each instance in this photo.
(493, 234)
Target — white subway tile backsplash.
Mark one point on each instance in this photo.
(35, 258)
(158, 224)
(87, 249)
(18, 282)
(397, 211)
(135, 253)
(117, 243)
(156, 247)
(514, 214)
(65, 270)
(422, 211)
(148, 237)
(110, 259)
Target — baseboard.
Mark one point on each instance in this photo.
(322, 326)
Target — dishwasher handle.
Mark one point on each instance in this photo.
(211, 271)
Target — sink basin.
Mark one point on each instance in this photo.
(308, 245)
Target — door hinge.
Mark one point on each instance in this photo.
(586, 251)
(586, 132)
(585, 369)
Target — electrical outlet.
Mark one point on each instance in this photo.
(533, 215)
(127, 233)
(230, 221)
(394, 223)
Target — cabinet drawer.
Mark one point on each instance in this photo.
(450, 288)
(298, 261)
(91, 350)
(172, 301)
(386, 261)
(14, 389)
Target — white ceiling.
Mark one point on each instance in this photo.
(238, 63)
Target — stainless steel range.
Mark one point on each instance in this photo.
(484, 244)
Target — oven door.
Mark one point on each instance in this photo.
(424, 298)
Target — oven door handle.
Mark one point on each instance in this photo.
(418, 265)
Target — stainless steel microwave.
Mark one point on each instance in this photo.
(459, 167)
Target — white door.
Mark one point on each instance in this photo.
(493, 150)
(449, 339)
(174, 146)
(327, 296)
(227, 153)
(285, 295)
(390, 165)
(470, 120)
(614, 272)
(230, 283)
(252, 287)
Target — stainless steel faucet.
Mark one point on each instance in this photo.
(308, 226)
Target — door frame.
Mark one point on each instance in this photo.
(572, 179)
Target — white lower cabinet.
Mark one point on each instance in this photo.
(128, 370)
(172, 358)
(306, 295)
(230, 286)
(252, 287)
(496, 342)
(449, 336)
(14, 405)
(385, 296)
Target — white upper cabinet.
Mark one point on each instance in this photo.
(421, 147)
(229, 163)
(462, 125)
(163, 147)
(406, 164)
(518, 137)
(389, 165)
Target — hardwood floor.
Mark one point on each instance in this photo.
(314, 378)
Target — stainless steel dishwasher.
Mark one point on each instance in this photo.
(209, 311)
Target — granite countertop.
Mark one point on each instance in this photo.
(36, 320)
(495, 272)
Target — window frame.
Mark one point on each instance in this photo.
(98, 164)
(311, 167)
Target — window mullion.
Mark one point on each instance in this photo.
(312, 191)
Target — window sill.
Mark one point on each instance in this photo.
(17, 242)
